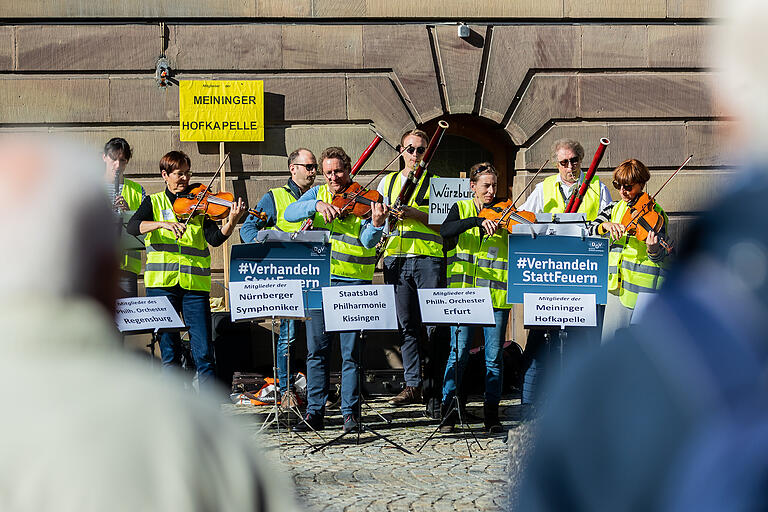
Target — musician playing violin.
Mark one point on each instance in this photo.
(353, 257)
(179, 263)
(634, 266)
(477, 257)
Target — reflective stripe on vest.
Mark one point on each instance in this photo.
(349, 258)
(471, 264)
(630, 271)
(283, 197)
(185, 262)
(132, 193)
(411, 236)
(553, 202)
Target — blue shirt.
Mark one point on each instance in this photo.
(306, 207)
(253, 224)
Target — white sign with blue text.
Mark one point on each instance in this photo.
(266, 299)
(456, 306)
(557, 264)
(556, 309)
(444, 193)
(368, 307)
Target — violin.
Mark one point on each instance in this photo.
(356, 200)
(201, 200)
(641, 217)
(505, 213)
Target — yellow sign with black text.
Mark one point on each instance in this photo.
(221, 110)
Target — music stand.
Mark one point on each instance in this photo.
(385, 320)
(437, 305)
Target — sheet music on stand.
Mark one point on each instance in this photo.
(565, 224)
(129, 242)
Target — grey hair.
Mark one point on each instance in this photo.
(295, 154)
(571, 144)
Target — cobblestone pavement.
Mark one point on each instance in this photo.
(376, 476)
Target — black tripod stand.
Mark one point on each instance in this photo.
(361, 427)
(455, 406)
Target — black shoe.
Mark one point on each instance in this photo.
(310, 423)
(491, 419)
(433, 409)
(350, 422)
(450, 419)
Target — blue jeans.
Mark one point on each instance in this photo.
(195, 309)
(287, 337)
(408, 275)
(318, 351)
(494, 362)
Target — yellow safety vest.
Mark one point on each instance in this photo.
(630, 271)
(185, 262)
(411, 236)
(478, 261)
(283, 197)
(132, 193)
(553, 202)
(349, 258)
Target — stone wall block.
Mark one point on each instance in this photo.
(517, 49)
(223, 47)
(322, 46)
(139, 99)
(406, 50)
(691, 9)
(87, 47)
(374, 97)
(46, 99)
(661, 95)
(710, 142)
(461, 60)
(547, 97)
(131, 9)
(613, 9)
(464, 8)
(679, 46)
(614, 46)
(339, 8)
(654, 144)
(6, 48)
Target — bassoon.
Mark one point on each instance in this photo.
(575, 201)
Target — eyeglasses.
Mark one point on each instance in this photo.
(180, 174)
(309, 167)
(573, 161)
(419, 150)
(625, 186)
(480, 169)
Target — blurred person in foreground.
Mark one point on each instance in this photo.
(85, 426)
(655, 420)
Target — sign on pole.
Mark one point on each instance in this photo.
(457, 306)
(146, 314)
(308, 262)
(444, 193)
(557, 264)
(368, 307)
(221, 110)
(266, 299)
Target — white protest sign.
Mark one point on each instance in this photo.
(443, 193)
(146, 314)
(458, 306)
(560, 309)
(266, 299)
(360, 308)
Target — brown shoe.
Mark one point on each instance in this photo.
(409, 395)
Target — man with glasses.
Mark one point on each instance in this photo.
(353, 258)
(552, 196)
(413, 259)
(303, 168)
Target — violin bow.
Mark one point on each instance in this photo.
(529, 183)
(639, 213)
(200, 199)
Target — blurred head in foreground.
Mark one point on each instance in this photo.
(85, 426)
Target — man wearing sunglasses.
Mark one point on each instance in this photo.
(552, 196)
(413, 259)
(303, 168)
